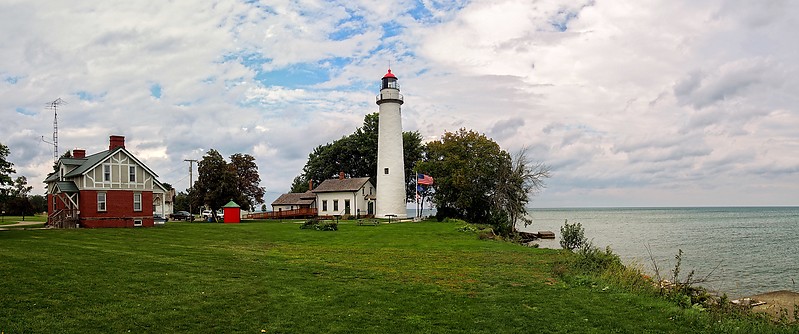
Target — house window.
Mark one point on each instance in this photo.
(136, 201)
(137, 222)
(335, 205)
(324, 205)
(101, 202)
(106, 173)
(385, 170)
(132, 173)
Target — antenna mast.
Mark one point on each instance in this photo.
(54, 107)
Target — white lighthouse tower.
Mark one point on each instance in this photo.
(390, 161)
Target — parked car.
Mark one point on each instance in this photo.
(182, 215)
(159, 219)
(208, 214)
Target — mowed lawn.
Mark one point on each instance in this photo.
(275, 277)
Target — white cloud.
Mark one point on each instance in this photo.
(664, 103)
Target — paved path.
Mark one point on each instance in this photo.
(19, 224)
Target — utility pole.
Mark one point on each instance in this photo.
(191, 180)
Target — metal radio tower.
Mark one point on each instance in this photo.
(54, 106)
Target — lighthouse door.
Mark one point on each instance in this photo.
(371, 208)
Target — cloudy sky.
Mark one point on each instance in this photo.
(631, 103)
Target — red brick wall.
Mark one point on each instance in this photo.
(119, 209)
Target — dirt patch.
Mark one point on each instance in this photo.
(776, 302)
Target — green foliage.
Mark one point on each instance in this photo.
(6, 169)
(220, 182)
(216, 184)
(319, 225)
(248, 180)
(356, 156)
(572, 236)
(478, 181)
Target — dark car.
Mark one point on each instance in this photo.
(159, 219)
(181, 215)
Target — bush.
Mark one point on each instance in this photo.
(327, 226)
(315, 224)
(572, 236)
(310, 224)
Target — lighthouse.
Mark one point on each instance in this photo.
(390, 160)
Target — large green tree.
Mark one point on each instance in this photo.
(216, 183)
(248, 180)
(6, 169)
(356, 156)
(478, 181)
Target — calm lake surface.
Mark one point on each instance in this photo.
(753, 249)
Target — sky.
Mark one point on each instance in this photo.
(630, 103)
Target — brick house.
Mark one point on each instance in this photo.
(107, 189)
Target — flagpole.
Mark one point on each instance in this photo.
(416, 187)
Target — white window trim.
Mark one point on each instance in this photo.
(104, 202)
(137, 223)
(136, 202)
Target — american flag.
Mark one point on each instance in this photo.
(424, 179)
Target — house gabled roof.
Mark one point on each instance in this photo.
(92, 161)
(306, 198)
(66, 187)
(339, 185)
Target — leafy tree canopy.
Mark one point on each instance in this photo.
(220, 181)
(356, 156)
(478, 181)
(6, 169)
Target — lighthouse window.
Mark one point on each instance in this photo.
(385, 171)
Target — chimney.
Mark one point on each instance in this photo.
(341, 175)
(310, 185)
(116, 141)
(78, 154)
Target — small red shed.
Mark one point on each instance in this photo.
(232, 213)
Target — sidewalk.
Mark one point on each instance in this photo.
(19, 224)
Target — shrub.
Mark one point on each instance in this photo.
(310, 224)
(327, 226)
(315, 224)
(572, 236)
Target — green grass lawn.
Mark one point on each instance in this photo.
(390, 278)
(5, 220)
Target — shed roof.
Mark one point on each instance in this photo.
(306, 198)
(337, 185)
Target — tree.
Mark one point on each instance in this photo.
(248, 180)
(216, 183)
(516, 183)
(464, 165)
(356, 156)
(39, 203)
(478, 181)
(181, 202)
(19, 204)
(6, 169)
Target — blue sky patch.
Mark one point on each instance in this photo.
(294, 76)
(87, 96)
(25, 112)
(155, 91)
(561, 20)
(12, 80)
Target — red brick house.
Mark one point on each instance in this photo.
(107, 189)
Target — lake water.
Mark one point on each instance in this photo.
(756, 249)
